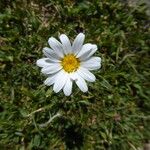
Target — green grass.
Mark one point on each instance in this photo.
(113, 115)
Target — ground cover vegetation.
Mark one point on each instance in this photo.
(113, 115)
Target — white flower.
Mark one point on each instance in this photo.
(66, 62)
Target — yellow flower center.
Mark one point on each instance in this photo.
(70, 63)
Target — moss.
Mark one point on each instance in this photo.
(114, 114)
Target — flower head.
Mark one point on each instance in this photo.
(66, 63)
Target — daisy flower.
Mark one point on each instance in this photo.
(65, 63)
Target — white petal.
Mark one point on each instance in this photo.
(92, 64)
(73, 76)
(78, 42)
(85, 74)
(94, 49)
(66, 43)
(81, 84)
(56, 46)
(52, 68)
(43, 62)
(50, 80)
(50, 54)
(60, 81)
(87, 51)
(68, 87)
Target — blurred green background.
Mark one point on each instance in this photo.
(113, 115)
